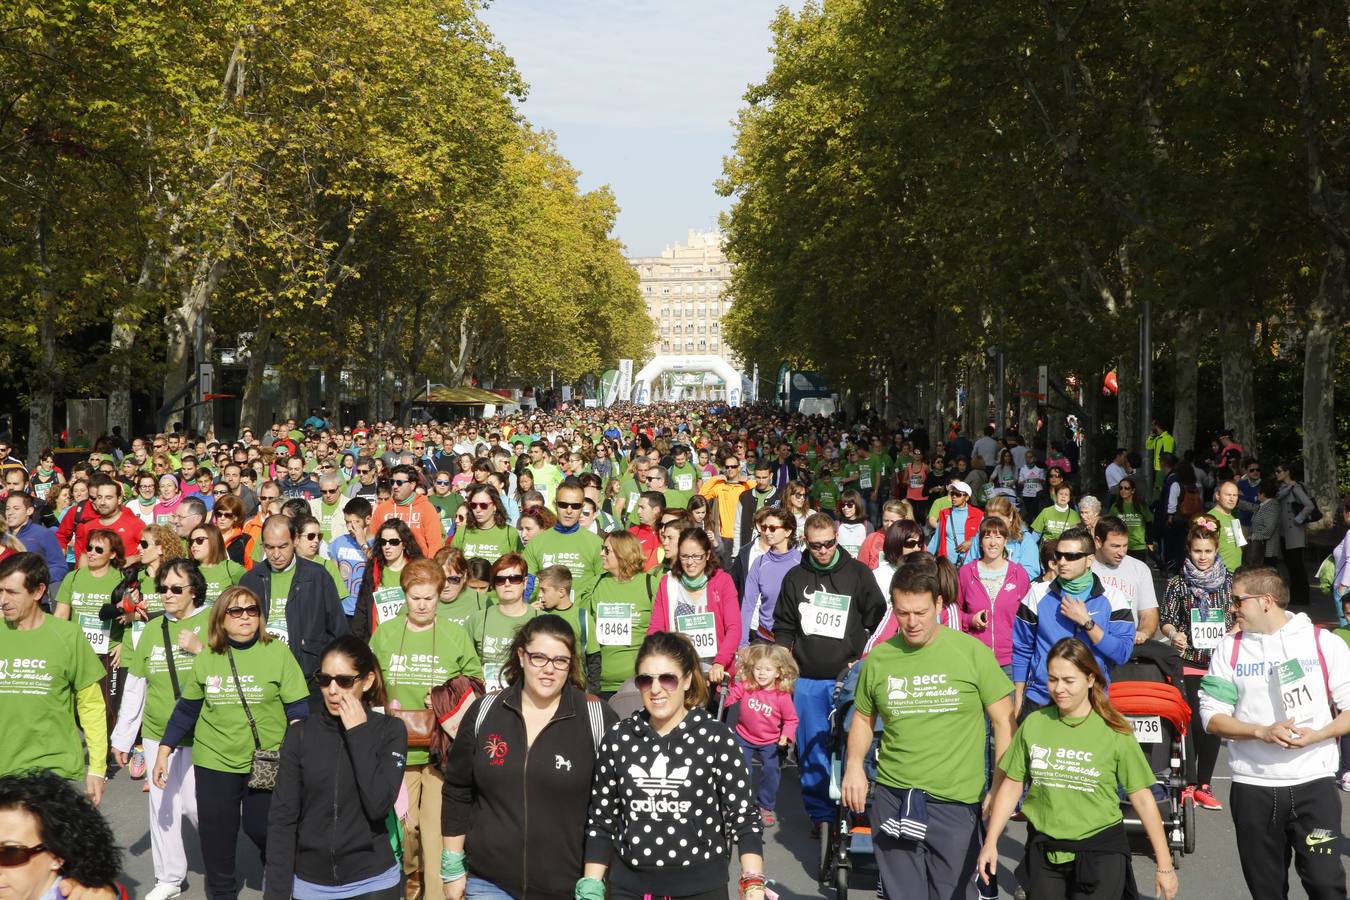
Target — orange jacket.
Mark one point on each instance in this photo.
(728, 499)
(420, 516)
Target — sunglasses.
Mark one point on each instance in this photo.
(454, 579)
(399, 481)
(99, 550)
(441, 482)
(346, 682)
(329, 490)
(480, 505)
(362, 471)
(389, 542)
(669, 681)
(238, 612)
(770, 529)
(198, 540)
(11, 856)
(912, 543)
(220, 493)
(311, 536)
(508, 579)
(1069, 555)
(563, 504)
(177, 589)
(145, 545)
(822, 545)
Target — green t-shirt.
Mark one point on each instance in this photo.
(270, 678)
(336, 574)
(620, 614)
(327, 512)
(579, 618)
(546, 480)
(414, 662)
(1230, 551)
(826, 494)
(41, 671)
(86, 593)
(578, 551)
(488, 543)
(465, 606)
(931, 701)
(224, 574)
(150, 662)
(1136, 518)
(446, 507)
(1051, 523)
(1074, 766)
(280, 598)
(683, 483)
(492, 632)
(878, 466)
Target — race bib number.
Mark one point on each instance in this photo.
(279, 631)
(614, 624)
(1207, 631)
(42, 488)
(1147, 729)
(701, 629)
(163, 519)
(865, 479)
(684, 482)
(826, 615)
(137, 629)
(388, 603)
(492, 677)
(97, 632)
(632, 501)
(1239, 539)
(915, 482)
(1295, 694)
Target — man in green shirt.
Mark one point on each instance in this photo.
(567, 543)
(1158, 443)
(633, 483)
(932, 687)
(683, 481)
(1231, 538)
(48, 671)
(547, 476)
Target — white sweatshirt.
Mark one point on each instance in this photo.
(1260, 700)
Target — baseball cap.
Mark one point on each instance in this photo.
(960, 486)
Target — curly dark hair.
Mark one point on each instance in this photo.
(69, 825)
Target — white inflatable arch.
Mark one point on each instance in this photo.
(642, 381)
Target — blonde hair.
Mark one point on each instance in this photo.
(778, 657)
(1007, 511)
(628, 552)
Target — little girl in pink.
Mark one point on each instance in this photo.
(767, 720)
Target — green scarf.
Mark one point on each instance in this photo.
(811, 561)
(1080, 585)
(694, 584)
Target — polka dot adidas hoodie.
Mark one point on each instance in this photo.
(668, 809)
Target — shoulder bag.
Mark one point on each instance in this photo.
(262, 773)
(420, 723)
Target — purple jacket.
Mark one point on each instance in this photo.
(762, 585)
(974, 599)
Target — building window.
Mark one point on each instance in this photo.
(703, 345)
(714, 345)
(665, 290)
(689, 345)
(714, 328)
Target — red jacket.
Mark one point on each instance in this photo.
(974, 516)
(651, 545)
(721, 601)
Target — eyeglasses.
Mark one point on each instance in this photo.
(269, 498)
(12, 855)
(238, 612)
(362, 471)
(179, 589)
(693, 557)
(221, 493)
(1126, 487)
(346, 682)
(604, 550)
(198, 540)
(224, 515)
(563, 504)
(389, 542)
(508, 579)
(848, 504)
(822, 545)
(1069, 555)
(477, 504)
(540, 660)
(669, 681)
(797, 496)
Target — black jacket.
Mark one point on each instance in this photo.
(523, 808)
(314, 613)
(333, 793)
(817, 655)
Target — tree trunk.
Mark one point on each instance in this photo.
(1127, 394)
(1089, 425)
(332, 391)
(250, 406)
(1186, 354)
(1319, 387)
(181, 322)
(289, 401)
(1239, 396)
(1028, 408)
(977, 396)
(43, 394)
(125, 320)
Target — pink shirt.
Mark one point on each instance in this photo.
(766, 714)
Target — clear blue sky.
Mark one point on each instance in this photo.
(642, 95)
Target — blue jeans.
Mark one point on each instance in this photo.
(767, 793)
(478, 889)
(813, 698)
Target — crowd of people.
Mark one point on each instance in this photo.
(350, 643)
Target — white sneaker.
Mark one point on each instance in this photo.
(1345, 782)
(164, 892)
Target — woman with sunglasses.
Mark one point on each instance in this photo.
(698, 599)
(309, 545)
(487, 533)
(82, 597)
(207, 548)
(1137, 517)
(492, 848)
(420, 650)
(854, 526)
(671, 785)
(381, 598)
(902, 538)
(493, 630)
(53, 839)
(764, 581)
(991, 589)
(340, 774)
(892, 511)
(228, 515)
(797, 503)
(1074, 604)
(141, 598)
(621, 600)
(237, 698)
(148, 700)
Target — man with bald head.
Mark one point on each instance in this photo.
(300, 603)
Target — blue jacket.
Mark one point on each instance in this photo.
(1040, 625)
(1027, 553)
(37, 539)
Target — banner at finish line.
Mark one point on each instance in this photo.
(625, 380)
(609, 387)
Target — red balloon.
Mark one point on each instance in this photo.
(1110, 385)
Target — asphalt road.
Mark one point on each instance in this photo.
(790, 853)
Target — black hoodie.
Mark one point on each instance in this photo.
(820, 656)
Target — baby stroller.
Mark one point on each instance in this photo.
(1148, 690)
(850, 834)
